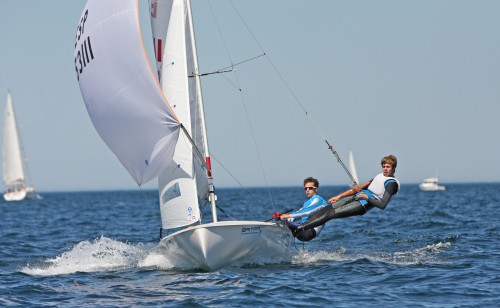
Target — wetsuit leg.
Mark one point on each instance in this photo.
(305, 235)
(347, 208)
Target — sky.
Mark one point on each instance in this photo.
(417, 79)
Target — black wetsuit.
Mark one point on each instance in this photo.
(302, 235)
(346, 207)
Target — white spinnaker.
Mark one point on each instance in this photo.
(121, 93)
(177, 183)
(12, 160)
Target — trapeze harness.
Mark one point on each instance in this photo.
(379, 193)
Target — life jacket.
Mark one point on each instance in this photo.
(378, 184)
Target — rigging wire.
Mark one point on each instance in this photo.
(221, 37)
(255, 143)
(203, 164)
(237, 181)
(231, 67)
(330, 147)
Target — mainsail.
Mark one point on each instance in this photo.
(178, 187)
(121, 93)
(12, 161)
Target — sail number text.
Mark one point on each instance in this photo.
(84, 54)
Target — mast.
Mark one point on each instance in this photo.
(196, 74)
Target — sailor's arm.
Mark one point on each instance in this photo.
(390, 190)
(349, 192)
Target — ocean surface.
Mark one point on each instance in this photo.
(96, 249)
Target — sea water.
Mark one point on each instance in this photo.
(97, 249)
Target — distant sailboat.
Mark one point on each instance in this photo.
(352, 168)
(15, 188)
(156, 128)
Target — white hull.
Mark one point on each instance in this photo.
(21, 193)
(431, 187)
(431, 184)
(213, 246)
(16, 195)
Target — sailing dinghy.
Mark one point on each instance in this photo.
(154, 123)
(15, 187)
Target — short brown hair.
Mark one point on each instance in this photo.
(391, 160)
(311, 179)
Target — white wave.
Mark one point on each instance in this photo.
(104, 254)
(305, 257)
(423, 255)
(156, 257)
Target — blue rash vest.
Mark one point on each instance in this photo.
(310, 206)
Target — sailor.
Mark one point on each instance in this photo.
(358, 200)
(313, 204)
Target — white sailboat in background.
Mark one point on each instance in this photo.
(352, 168)
(156, 128)
(15, 187)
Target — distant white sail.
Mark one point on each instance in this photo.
(12, 160)
(352, 167)
(14, 163)
(121, 93)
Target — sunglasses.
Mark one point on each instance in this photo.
(309, 187)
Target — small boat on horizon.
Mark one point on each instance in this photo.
(13, 160)
(431, 184)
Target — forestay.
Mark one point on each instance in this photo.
(121, 93)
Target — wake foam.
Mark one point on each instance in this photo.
(101, 255)
(429, 254)
(306, 257)
(105, 254)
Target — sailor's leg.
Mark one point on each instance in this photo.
(350, 209)
(306, 235)
(333, 212)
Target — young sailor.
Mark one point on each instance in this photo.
(313, 204)
(360, 199)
